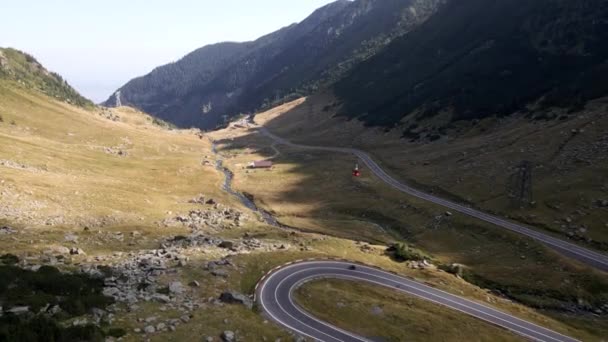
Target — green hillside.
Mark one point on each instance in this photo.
(27, 71)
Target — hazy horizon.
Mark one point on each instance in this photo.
(97, 47)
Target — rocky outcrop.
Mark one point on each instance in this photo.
(233, 297)
(6, 230)
(218, 218)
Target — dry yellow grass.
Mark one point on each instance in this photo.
(384, 314)
(61, 161)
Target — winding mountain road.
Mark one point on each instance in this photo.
(591, 258)
(274, 295)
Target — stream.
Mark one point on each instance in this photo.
(227, 186)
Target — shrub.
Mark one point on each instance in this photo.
(116, 332)
(9, 259)
(1, 118)
(40, 328)
(403, 252)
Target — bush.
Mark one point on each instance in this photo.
(75, 294)
(116, 332)
(1, 118)
(9, 259)
(17, 328)
(402, 252)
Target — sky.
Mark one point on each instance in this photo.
(100, 45)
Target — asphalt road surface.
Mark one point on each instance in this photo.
(274, 294)
(587, 256)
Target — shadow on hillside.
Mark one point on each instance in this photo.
(325, 187)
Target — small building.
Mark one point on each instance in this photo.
(261, 164)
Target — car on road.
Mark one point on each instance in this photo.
(352, 267)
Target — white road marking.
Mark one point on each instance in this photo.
(419, 290)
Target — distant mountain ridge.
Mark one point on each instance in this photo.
(225, 79)
(23, 68)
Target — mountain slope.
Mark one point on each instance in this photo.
(294, 60)
(478, 58)
(26, 70)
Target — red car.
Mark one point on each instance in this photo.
(356, 171)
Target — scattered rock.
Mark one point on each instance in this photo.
(200, 199)
(377, 311)
(227, 336)
(161, 298)
(77, 251)
(5, 230)
(71, 238)
(19, 310)
(150, 329)
(80, 322)
(194, 284)
(226, 245)
(218, 218)
(233, 297)
(61, 250)
(220, 273)
(176, 288)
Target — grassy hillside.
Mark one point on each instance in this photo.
(25, 70)
(224, 80)
(479, 58)
(102, 180)
(57, 169)
(315, 191)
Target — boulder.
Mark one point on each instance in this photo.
(7, 230)
(19, 310)
(220, 273)
(161, 298)
(226, 245)
(227, 336)
(149, 329)
(176, 287)
(233, 297)
(71, 238)
(77, 251)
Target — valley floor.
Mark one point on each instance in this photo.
(118, 195)
(314, 191)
